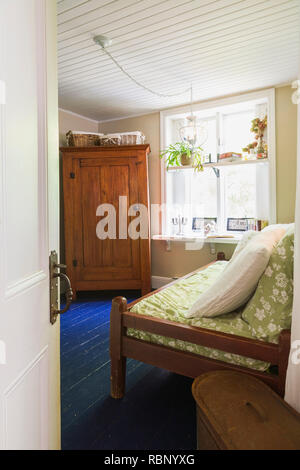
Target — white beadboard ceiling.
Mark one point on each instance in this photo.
(221, 46)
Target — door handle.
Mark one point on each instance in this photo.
(54, 290)
(69, 293)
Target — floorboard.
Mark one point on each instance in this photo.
(158, 410)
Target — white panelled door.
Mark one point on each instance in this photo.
(29, 344)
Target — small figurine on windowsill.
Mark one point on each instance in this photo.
(210, 228)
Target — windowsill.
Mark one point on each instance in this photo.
(233, 239)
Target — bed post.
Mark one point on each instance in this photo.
(284, 351)
(118, 362)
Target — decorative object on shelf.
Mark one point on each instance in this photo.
(110, 139)
(250, 148)
(230, 156)
(258, 127)
(259, 146)
(83, 139)
(123, 138)
(249, 154)
(261, 155)
(198, 224)
(181, 222)
(92, 139)
(257, 224)
(243, 224)
(210, 228)
(236, 224)
(260, 225)
(204, 224)
(182, 154)
(132, 138)
(252, 225)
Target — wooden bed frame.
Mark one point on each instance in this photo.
(182, 362)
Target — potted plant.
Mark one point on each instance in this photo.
(183, 154)
(258, 126)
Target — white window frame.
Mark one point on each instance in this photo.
(166, 130)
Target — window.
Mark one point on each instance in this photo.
(221, 191)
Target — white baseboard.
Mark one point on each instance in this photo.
(159, 281)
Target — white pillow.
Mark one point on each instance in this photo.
(244, 241)
(275, 226)
(239, 279)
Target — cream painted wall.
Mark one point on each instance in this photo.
(286, 149)
(178, 261)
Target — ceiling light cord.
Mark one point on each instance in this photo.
(161, 95)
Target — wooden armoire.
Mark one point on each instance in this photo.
(93, 176)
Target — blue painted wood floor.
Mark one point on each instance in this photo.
(157, 412)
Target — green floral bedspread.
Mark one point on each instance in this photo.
(172, 302)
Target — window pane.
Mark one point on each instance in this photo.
(178, 199)
(236, 131)
(190, 194)
(210, 144)
(204, 194)
(177, 184)
(240, 191)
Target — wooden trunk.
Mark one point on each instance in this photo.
(97, 176)
(238, 412)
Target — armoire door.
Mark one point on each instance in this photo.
(105, 263)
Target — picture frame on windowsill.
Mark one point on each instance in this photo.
(199, 223)
(236, 224)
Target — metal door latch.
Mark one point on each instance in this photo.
(54, 290)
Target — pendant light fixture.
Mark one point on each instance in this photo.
(193, 131)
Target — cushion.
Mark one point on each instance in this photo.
(239, 279)
(244, 241)
(274, 226)
(270, 309)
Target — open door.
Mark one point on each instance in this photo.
(29, 214)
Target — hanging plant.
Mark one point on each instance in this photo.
(183, 154)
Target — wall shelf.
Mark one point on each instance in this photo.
(222, 164)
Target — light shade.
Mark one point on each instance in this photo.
(194, 132)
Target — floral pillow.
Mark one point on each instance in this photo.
(270, 309)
